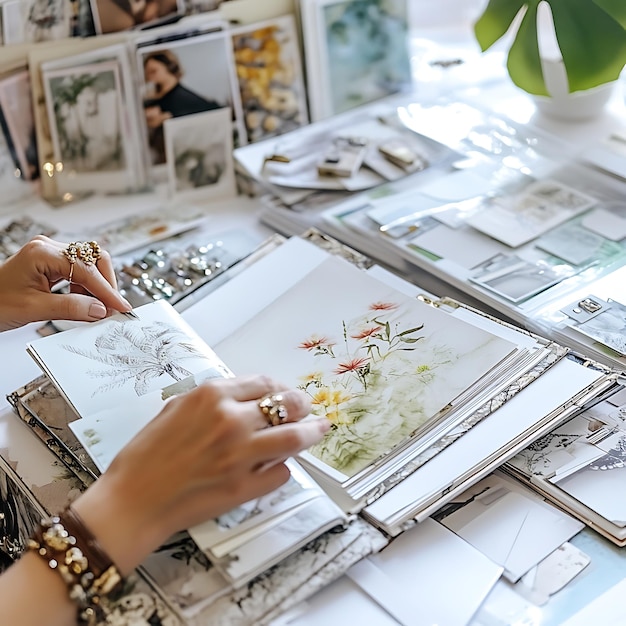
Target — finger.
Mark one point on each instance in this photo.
(281, 442)
(68, 307)
(89, 278)
(246, 388)
(295, 402)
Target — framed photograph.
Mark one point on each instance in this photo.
(87, 126)
(271, 81)
(179, 80)
(357, 52)
(111, 16)
(199, 150)
(18, 123)
(46, 20)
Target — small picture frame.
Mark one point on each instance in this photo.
(176, 81)
(46, 20)
(270, 76)
(112, 16)
(356, 51)
(88, 127)
(199, 156)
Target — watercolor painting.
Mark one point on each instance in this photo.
(381, 366)
(269, 71)
(366, 46)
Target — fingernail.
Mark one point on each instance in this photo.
(127, 303)
(324, 425)
(97, 311)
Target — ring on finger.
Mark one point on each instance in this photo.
(273, 409)
(86, 251)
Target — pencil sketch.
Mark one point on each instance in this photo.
(138, 353)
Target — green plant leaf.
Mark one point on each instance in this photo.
(615, 8)
(524, 62)
(592, 43)
(496, 21)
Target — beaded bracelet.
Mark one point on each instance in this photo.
(68, 547)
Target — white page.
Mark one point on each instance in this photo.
(423, 567)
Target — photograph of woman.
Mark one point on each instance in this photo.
(179, 83)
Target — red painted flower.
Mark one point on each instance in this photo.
(353, 365)
(383, 306)
(367, 332)
(315, 342)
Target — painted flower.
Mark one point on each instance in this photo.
(383, 306)
(319, 345)
(312, 378)
(367, 332)
(353, 365)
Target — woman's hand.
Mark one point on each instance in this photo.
(26, 279)
(207, 451)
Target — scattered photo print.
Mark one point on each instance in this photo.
(18, 124)
(199, 154)
(46, 20)
(114, 15)
(519, 218)
(269, 71)
(179, 80)
(366, 47)
(608, 328)
(597, 484)
(516, 279)
(84, 107)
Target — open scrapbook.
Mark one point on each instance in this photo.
(426, 397)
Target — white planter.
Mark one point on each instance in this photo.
(580, 105)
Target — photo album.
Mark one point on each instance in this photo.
(425, 396)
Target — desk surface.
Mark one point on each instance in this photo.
(608, 564)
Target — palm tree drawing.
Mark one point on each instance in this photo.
(142, 354)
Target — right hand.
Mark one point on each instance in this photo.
(208, 451)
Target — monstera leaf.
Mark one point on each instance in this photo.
(591, 35)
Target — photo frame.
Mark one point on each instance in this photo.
(88, 125)
(356, 52)
(112, 16)
(176, 80)
(199, 157)
(271, 81)
(46, 20)
(134, 175)
(12, 22)
(16, 113)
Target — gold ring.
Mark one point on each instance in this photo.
(86, 251)
(273, 409)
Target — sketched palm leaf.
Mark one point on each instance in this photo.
(143, 354)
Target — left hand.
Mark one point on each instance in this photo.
(26, 279)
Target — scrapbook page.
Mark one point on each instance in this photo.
(580, 464)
